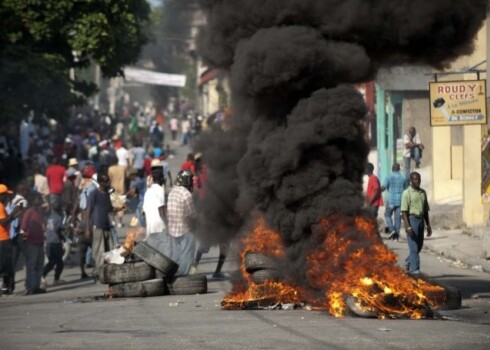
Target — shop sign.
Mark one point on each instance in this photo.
(458, 103)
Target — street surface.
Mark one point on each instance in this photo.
(75, 315)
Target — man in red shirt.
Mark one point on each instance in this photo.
(189, 164)
(373, 194)
(55, 174)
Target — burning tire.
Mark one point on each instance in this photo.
(260, 276)
(156, 259)
(357, 309)
(150, 288)
(113, 274)
(257, 261)
(187, 285)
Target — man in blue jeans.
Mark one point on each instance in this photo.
(395, 183)
(415, 210)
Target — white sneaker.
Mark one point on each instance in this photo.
(193, 270)
(43, 283)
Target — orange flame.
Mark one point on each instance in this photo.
(350, 261)
(263, 239)
(131, 237)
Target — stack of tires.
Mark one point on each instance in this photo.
(152, 274)
(262, 267)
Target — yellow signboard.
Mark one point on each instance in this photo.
(458, 103)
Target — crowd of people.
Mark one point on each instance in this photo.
(77, 181)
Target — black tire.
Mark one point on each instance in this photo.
(150, 288)
(260, 276)
(124, 273)
(257, 261)
(452, 299)
(156, 259)
(188, 285)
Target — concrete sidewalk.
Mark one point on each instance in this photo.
(451, 239)
(461, 246)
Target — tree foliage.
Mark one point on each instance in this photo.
(41, 40)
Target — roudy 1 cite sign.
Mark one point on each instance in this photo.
(458, 102)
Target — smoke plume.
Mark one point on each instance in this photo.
(296, 150)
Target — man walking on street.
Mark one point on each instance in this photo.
(395, 184)
(54, 248)
(415, 210)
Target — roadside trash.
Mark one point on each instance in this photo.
(115, 256)
(478, 268)
(384, 329)
(133, 222)
(291, 306)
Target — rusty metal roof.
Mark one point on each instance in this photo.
(405, 78)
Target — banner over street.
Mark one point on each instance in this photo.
(154, 78)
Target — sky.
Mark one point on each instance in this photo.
(154, 3)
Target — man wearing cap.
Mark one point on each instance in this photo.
(73, 164)
(5, 243)
(69, 197)
(181, 221)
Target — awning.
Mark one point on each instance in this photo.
(208, 75)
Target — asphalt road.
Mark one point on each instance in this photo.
(74, 316)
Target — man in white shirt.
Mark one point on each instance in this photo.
(122, 155)
(412, 150)
(154, 204)
(174, 127)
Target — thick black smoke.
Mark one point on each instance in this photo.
(296, 148)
